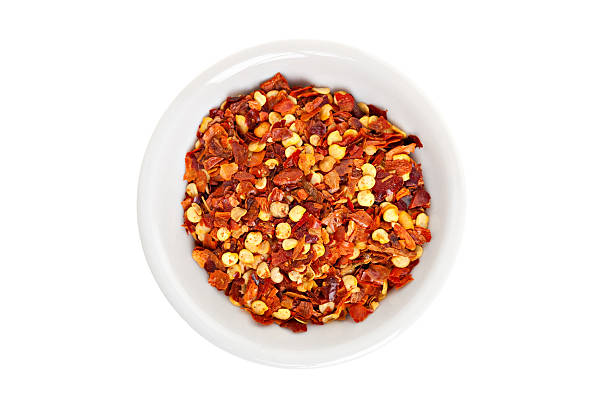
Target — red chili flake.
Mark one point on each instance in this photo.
(256, 159)
(350, 205)
(402, 233)
(201, 256)
(277, 82)
(280, 133)
(371, 289)
(301, 194)
(376, 111)
(284, 106)
(286, 302)
(244, 176)
(239, 151)
(424, 232)
(307, 94)
(317, 103)
(192, 167)
(344, 248)
(294, 326)
(386, 186)
(420, 198)
(212, 162)
(358, 312)
(213, 113)
(298, 91)
(346, 102)
(219, 280)
(304, 310)
(332, 179)
(354, 123)
(208, 242)
(301, 126)
(408, 149)
(334, 219)
(316, 127)
(265, 320)
(401, 167)
(276, 195)
(378, 158)
(292, 160)
(186, 203)
(416, 177)
(297, 251)
(401, 276)
(357, 297)
(245, 188)
(239, 107)
(250, 292)
(414, 139)
(310, 115)
(379, 125)
(215, 132)
(355, 152)
(420, 235)
(376, 273)
(288, 176)
(278, 257)
(362, 219)
(304, 220)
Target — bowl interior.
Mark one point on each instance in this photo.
(168, 248)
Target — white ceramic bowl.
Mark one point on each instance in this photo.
(161, 188)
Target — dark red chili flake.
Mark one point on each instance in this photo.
(420, 198)
(294, 326)
(386, 187)
(316, 127)
(376, 111)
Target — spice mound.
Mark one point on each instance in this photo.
(305, 206)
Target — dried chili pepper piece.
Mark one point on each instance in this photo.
(316, 127)
(358, 312)
(345, 101)
(277, 82)
(284, 106)
(362, 218)
(376, 111)
(219, 280)
(376, 273)
(420, 198)
(288, 176)
(387, 186)
(401, 276)
(294, 326)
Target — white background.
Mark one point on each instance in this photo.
(524, 320)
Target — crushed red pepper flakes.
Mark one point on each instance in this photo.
(305, 206)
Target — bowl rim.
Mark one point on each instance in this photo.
(176, 295)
